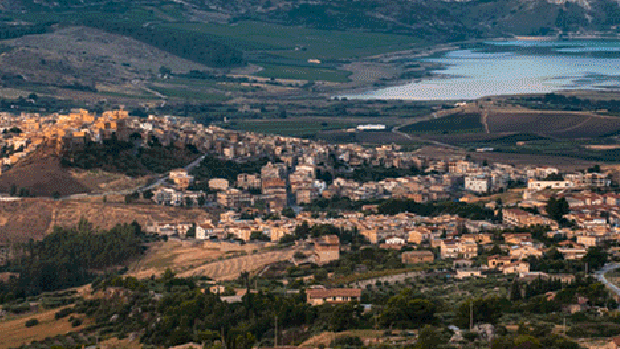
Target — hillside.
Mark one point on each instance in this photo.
(34, 218)
(441, 20)
(42, 174)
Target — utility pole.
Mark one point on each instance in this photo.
(276, 334)
(564, 326)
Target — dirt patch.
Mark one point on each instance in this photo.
(173, 255)
(100, 181)
(42, 176)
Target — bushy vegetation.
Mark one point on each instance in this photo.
(68, 256)
(125, 157)
(187, 44)
(212, 167)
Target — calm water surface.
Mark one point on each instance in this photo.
(515, 67)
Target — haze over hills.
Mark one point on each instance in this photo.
(451, 20)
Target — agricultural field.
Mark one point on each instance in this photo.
(303, 73)
(292, 126)
(456, 123)
(230, 269)
(300, 43)
(15, 333)
(556, 124)
(188, 94)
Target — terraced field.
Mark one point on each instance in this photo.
(230, 269)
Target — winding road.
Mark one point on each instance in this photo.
(600, 276)
(158, 182)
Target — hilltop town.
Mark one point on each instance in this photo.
(335, 221)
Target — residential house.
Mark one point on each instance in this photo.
(319, 296)
(327, 249)
(515, 268)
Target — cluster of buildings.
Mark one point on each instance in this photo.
(302, 170)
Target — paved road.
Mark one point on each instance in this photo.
(158, 182)
(600, 275)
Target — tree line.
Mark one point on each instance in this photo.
(69, 257)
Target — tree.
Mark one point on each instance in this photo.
(189, 202)
(556, 209)
(191, 232)
(258, 235)
(147, 194)
(404, 311)
(128, 198)
(487, 310)
(201, 201)
(596, 258)
(56, 195)
(343, 317)
(163, 70)
(13, 190)
(429, 338)
(288, 212)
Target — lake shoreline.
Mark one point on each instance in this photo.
(456, 75)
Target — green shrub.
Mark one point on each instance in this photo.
(32, 322)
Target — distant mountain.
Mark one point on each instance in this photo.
(439, 20)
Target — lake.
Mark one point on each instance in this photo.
(512, 67)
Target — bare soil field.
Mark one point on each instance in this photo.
(564, 163)
(34, 218)
(533, 121)
(594, 127)
(100, 181)
(14, 332)
(173, 255)
(230, 269)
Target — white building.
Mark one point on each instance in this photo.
(541, 185)
(478, 184)
(371, 127)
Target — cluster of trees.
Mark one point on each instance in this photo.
(304, 231)
(557, 208)
(125, 157)
(432, 209)
(379, 173)
(560, 102)
(212, 167)
(186, 314)
(187, 44)
(9, 31)
(67, 257)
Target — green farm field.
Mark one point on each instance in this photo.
(303, 73)
(281, 40)
(290, 127)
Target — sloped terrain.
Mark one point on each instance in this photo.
(86, 57)
(33, 218)
(42, 175)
